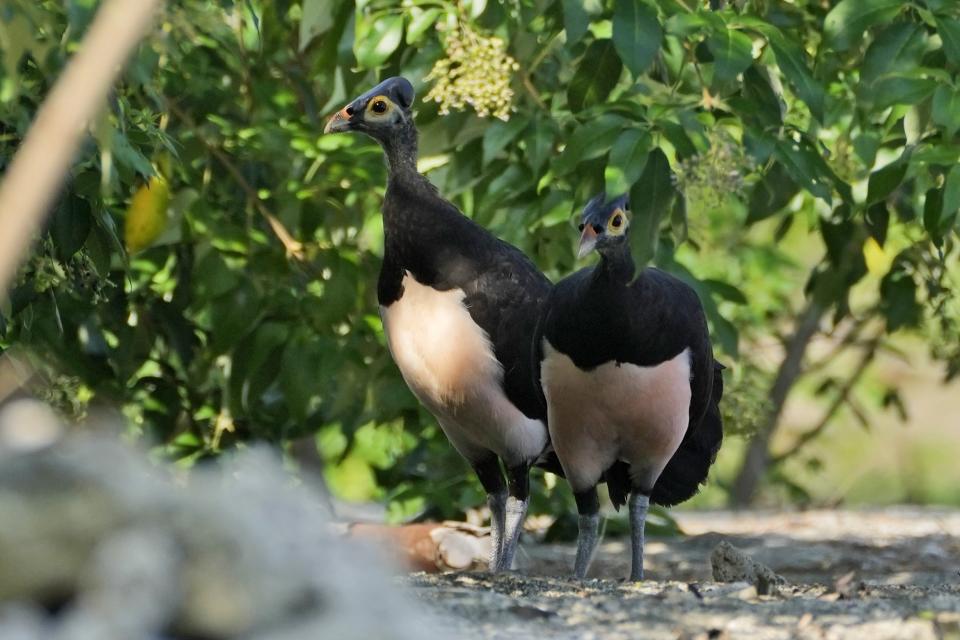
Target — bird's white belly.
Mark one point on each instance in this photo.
(448, 362)
(615, 412)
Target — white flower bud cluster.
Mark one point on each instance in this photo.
(476, 71)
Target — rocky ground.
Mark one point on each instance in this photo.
(872, 575)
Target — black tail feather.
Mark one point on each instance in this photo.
(688, 467)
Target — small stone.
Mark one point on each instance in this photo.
(730, 564)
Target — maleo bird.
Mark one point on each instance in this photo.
(629, 380)
(459, 308)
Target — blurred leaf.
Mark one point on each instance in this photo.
(884, 180)
(70, 225)
(377, 39)
(596, 75)
(147, 215)
(629, 156)
(949, 30)
(636, 34)
(803, 164)
(792, 60)
(499, 135)
(590, 140)
(576, 22)
(899, 89)
(848, 20)
(898, 294)
(771, 194)
(420, 21)
(946, 109)
(650, 198)
(317, 18)
(732, 54)
(897, 48)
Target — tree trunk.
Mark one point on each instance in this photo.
(757, 460)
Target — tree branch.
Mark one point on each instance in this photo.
(757, 460)
(293, 247)
(33, 179)
(868, 354)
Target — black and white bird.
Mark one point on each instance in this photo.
(629, 380)
(459, 308)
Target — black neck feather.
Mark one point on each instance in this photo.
(616, 263)
(401, 151)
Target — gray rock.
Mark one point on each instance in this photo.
(94, 531)
(730, 564)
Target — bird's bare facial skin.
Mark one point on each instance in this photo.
(379, 110)
(617, 223)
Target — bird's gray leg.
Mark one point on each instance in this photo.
(639, 504)
(588, 536)
(498, 508)
(491, 477)
(518, 478)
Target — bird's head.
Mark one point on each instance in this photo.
(604, 224)
(378, 112)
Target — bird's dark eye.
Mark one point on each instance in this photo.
(617, 221)
(580, 226)
(379, 106)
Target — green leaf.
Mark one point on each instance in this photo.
(792, 61)
(884, 180)
(771, 194)
(898, 89)
(866, 145)
(732, 54)
(847, 22)
(499, 134)
(650, 200)
(575, 20)
(233, 314)
(316, 19)
(538, 144)
(377, 39)
(951, 197)
(596, 75)
(636, 34)
(420, 21)
(758, 105)
(946, 109)
(932, 206)
(726, 291)
(590, 140)
(70, 225)
(629, 156)
(949, 30)
(898, 299)
(804, 165)
(896, 48)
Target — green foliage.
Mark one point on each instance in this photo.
(762, 145)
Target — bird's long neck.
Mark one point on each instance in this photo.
(401, 152)
(616, 264)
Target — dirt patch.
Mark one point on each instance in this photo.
(873, 575)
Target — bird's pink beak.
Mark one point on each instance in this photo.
(588, 240)
(340, 121)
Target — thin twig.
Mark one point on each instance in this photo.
(33, 179)
(842, 397)
(293, 247)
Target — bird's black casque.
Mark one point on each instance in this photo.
(459, 308)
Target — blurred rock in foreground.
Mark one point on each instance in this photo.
(97, 543)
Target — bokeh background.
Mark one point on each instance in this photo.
(209, 270)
